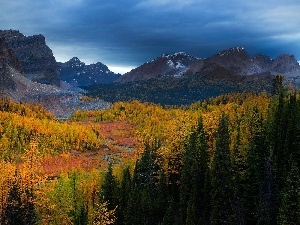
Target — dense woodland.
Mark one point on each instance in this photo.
(177, 91)
(233, 159)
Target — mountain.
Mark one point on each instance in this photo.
(15, 85)
(233, 64)
(8, 60)
(164, 66)
(77, 73)
(181, 79)
(35, 56)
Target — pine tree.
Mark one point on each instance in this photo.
(253, 177)
(124, 195)
(238, 164)
(267, 209)
(169, 217)
(109, 189)
(194, 178)
(221, 177)
(143, 206)
(13, 213)
(289, 212)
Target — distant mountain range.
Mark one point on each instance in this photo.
(181, 79)
(30, 73)
(231, 64)
(77, 73)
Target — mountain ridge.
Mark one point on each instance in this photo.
(165, 65)
(77, 73)
(226, 64)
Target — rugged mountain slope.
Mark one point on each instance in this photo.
(77, 73)
(35, 56)
(7, 59)
(169, 80)
(235, 63)
(14, 84)
(166, 65)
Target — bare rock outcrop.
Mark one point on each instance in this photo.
(35, 56)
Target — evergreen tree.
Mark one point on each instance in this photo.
(13, 213)
(221, 177)
(170, 216)
(253, 176)
(278, 85)
(267, 208)
(109, 189)
(238, 164)
(143, 206)
(289, 212)
(194, 178)
(124, 194)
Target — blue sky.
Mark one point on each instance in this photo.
(123, 34)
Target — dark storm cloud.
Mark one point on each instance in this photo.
(130, 32)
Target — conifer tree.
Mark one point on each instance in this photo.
(124, 195)
(170, 215)
(109, 189)
(267, 206)
(253, 176)
(221, 177)
(289, 212)
(13, 213)
(238, 164)
(143, 206)
(194, 177)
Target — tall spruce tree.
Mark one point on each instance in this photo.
(109, 189)
(124, 195)
(238, 166)
(143, 206)
(289, 212)
(194, 180)
(267, 209)
(221, 177)
(254, 173)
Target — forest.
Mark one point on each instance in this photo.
(231, 159)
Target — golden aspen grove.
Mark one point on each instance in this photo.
(232, 159)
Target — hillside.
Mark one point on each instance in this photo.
(179, 91)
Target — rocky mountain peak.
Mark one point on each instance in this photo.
(77, 73)
(174, 65)
(232, 51)
(35, 56)
(177, 56)
(230, 54)
(285, 63)
(73, 62)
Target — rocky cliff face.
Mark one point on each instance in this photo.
(7, 59)
(77, 73)
(166, 65)
(35, 56)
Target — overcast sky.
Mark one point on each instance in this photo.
(124, 34)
